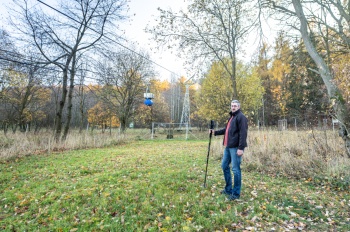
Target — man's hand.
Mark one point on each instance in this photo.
(211, 131)
(239, 152)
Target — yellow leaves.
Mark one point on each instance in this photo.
(17, 79)
(147, 226)
(106, 194)
(254, 193)
(221, 80)
(24, 202)
(341, 69)
(210, 103)
(101, 115)
(28, 100)
(20, 196)
(161, 85)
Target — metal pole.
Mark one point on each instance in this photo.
(206, 168)
(263, 103)
(186, 131)
(152, 130)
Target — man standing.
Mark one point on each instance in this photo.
(235, 140)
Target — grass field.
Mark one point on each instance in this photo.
(157, 186)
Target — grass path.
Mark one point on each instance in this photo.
(156, 186)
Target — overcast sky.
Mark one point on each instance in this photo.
(142, 12)
(145, 12)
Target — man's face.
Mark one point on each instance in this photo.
(234, 107)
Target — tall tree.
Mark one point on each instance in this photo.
(7, 49)
(62, 36)
(281, 72)
(210, 30)
(308, 99)
(24, 99)
(264, 72)
(101, 115)
(123, 76)
(214, 97)
(342, 72)
(330, 16)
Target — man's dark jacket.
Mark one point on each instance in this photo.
(238, 130)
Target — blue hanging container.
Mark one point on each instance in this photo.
(148, 102)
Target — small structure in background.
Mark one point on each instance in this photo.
(169, 129)
(334, 122)
(282, 124)
(186, 112)
(324, 124)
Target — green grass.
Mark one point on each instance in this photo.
(156, 186)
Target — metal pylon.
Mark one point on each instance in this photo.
(185, 117)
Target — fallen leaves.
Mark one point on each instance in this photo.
(160, 189)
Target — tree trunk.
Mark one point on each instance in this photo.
(6, 129)
(81, 108)
(24, 101)
(334, 94)
(61, 105)
(233, 76)
(123, 121)
(70, 97)
(81, 102)
(14, 128)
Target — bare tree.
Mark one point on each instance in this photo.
(330, 20)
(25, 97)
(20, 85)
(7, 49)
(62, 33)
(123, 76)
(82, 97)
(210, 30)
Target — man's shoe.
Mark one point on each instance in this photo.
(225, 193)
(233, 197)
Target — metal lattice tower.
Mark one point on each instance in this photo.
(185, 117)
(172, 99)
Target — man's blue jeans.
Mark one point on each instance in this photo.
(230, 156)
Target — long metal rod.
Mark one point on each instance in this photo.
(210, 135)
